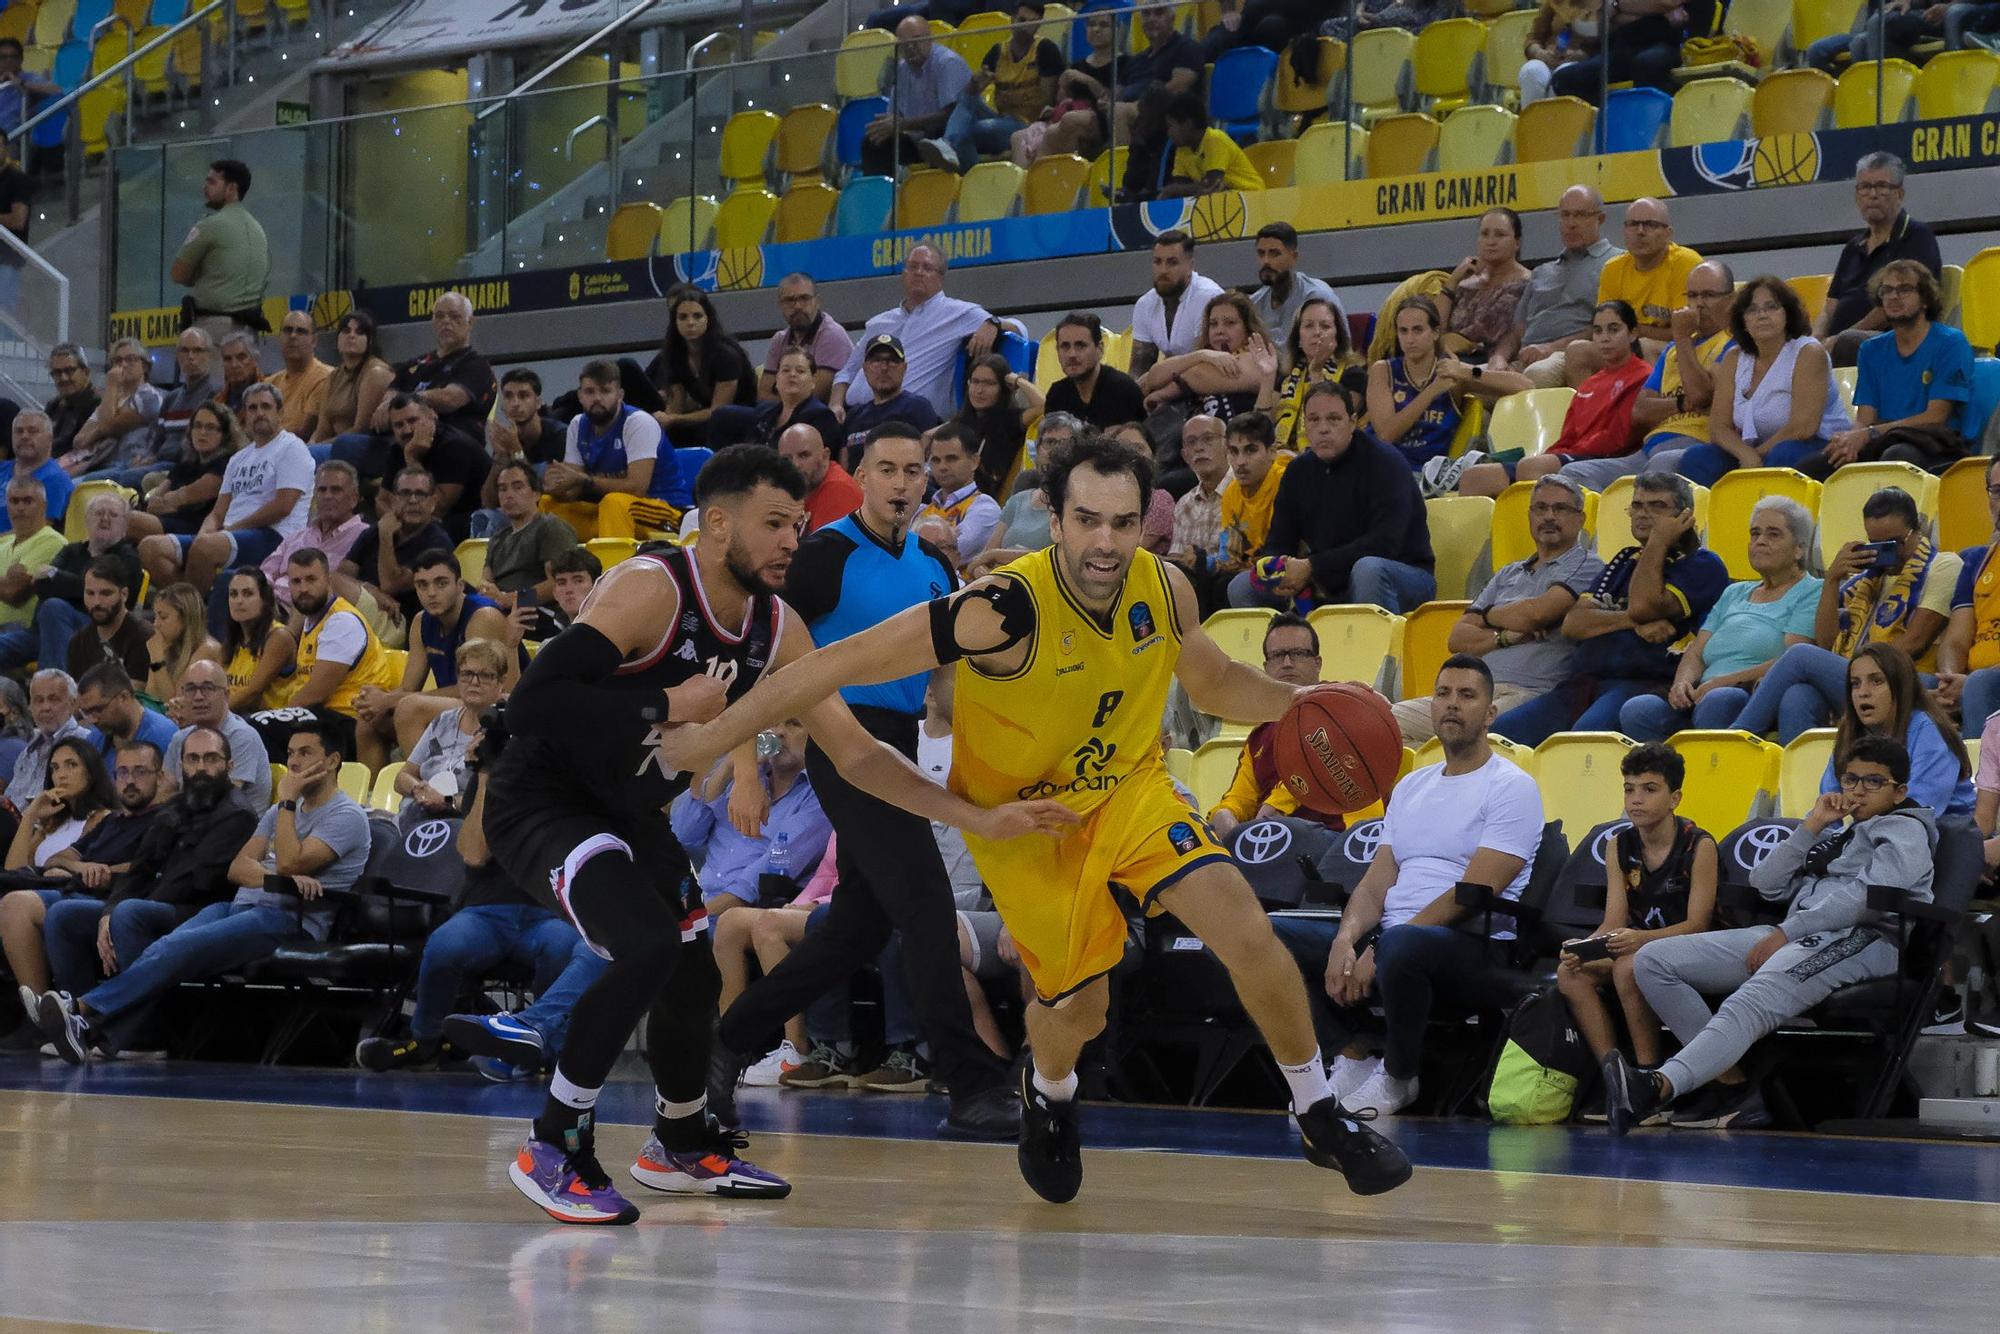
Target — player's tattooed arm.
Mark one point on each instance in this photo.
(1217, 684)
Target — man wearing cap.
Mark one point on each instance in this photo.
(930, 328)
(883, 367)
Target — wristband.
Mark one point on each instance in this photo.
(291, 806)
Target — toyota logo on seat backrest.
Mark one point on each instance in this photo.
(1603, 840)
(1758, 842)
(428, 838)
(1362, 840)
(1262, 842)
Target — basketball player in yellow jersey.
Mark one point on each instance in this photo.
(1064, 659)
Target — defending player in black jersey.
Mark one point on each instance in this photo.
(575, 809)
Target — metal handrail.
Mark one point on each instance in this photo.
(32, 256)
(569, 144)
(579, 49)
(118, 70)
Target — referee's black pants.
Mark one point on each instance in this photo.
(891, 878)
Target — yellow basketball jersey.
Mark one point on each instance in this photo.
(1083, 714)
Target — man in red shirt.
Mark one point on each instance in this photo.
(831, 491)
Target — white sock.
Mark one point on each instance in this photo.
(675, 1111)
(569, 1095)
(1056, 1090)
(1307, 1081)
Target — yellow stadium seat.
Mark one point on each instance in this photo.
(746, 142)
(1738, 493)
(1330, 153)
(1056, 20)
(1442, 62)
(1709, 111)
(1801, 769)
(1053, 183)
(1274, 159)
(1844, 379)
(1814, 19)
(1844, 494)
(634, 232)
(1506, 52)
(1402, 145)
(857, 70)
(1963, 519)
(1294, 96)
(79, 502)
(278, 772)
(1359, 643)
(17, 19)
(1180, 764)
(1854, 94)
(988, 192)
(1951, 286)
(924, 199)
(1379, 72)
(1579, 778)
(51, 27)
(1979, 300)
(802, 136)
(1731, 776)
(1239, 632)
(1432, 752)
(1614, 524)
(1790, 101)
(687, 224)
(355, 780)
(385, 797)
(1972, 753)
(1531, 421)
(1214, 766)
(743, 218)
(1512, 539)
(471, 555)
(611, 551)
(149, 71)
(1461, 527)
(1118, 349)
(1475, 138)
(1106, 172)
(1047, 371)
(1553, 128)
(1957, 83)
(1425, 634)
(1811, 289)
(803, 211)
(979, 34)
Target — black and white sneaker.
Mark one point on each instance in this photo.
(1630, 1096)
(1334, 1137)
(68, 1031)
(1986, 1026)
(1947, 1016)
(1727, 1107)
(1051, 1153)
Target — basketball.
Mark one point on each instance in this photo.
(1217, 217)
(1785, 159)
(1338, 748)
(738, 268)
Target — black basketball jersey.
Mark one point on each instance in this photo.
(1658, 897)
(622, 770)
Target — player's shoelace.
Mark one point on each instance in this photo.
(588, 1170)
(724, 1142)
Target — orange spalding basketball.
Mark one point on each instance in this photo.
(1338, 748)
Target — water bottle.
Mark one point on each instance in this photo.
(780, 860)
(768, 745)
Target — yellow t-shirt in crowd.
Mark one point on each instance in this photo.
(1218, 152)
(1656, 294)
(1246, 516)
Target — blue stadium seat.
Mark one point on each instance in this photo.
(864, 206)
(1985, 399)
(1633, 119)
(88, 14)
(166, 13)
(72, 65)
(1236, 91)
(51, 132)
(688, 462)
(853, 123)
(1021, 354)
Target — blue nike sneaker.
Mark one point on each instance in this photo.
(502, 1036)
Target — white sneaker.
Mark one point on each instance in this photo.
(939, 154)
(1350, 1074)
(1383, 1094)
(764, 1074)
(31, 1001)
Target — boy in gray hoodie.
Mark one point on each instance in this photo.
(1829, 939)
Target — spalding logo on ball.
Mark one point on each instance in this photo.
(1338, 748)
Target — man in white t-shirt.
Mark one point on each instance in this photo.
(1167, 320)
(1403, 940)
(266, 490)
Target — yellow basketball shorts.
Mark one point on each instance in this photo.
(1056, 896)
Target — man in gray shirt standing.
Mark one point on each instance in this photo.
(1515, 624)
(1561, 293)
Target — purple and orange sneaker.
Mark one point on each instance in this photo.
(569, 1187)
(712, 1169)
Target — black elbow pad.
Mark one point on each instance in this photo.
(1006, 596)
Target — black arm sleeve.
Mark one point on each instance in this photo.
(554, 698)
(1008, 598)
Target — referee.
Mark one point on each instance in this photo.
(848, 576)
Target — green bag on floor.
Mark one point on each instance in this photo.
(1542, 1065)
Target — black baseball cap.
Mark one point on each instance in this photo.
(884, 343)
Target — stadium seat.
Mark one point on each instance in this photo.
(1213, 767)
(1512, 540)
(1633, 119)
(1801, 769)
(1447, 52)
(857, 70)
(989, 191)
(1979, 300)
(1239, 631)
(1985, 396)
(1790, 101)
(746, 142)
(1848, 489)
(1053, 184)
(1105, 174)
(1951, 286)
(17, 19)
(1553, 128)
(471, 555)
(743, 218)
(1425, 634)
(1731, 776)
(1529, 422)
(852, 125)
(978, 35)
(688, 224)
(924, 198)
(1118, 349)
(1506, 52)
(1844, 378)
(1432, 752)
(801, 141)
(385, 797)
(72, 64)
(1378, 72)
(612, 551)
(1402, 145)
(1579, 778)
(1814, 19)
(1329, 153)
(1854, 94)
(1293, 96)
(1733, 498)
(79, 502)
(803, 211)
(1180, 766)
(1474, 138)
(51, 26)
(1236, 90)
(1963, 519)
(1709, 111)
(634, 232)
(149, 71)
(355, 780)
(1274, 160)
(1957, 83)
(1461, 527)
(1056, 25)
(1614, 524)
(1359, 643)
(864, 207)
(1811, 289)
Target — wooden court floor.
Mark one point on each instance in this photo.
(130, 1211)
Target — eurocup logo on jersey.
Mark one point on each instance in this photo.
(1362, 840)
(1262, 842)
(1759, 843)
(1144, 633)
